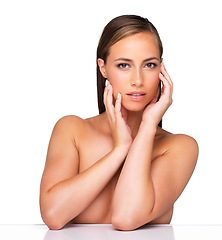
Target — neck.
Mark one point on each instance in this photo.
(133, 120)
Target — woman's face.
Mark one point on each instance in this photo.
(132, 68)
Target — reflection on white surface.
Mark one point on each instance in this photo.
(106, 232)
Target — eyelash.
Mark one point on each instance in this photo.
(121, 65)
(153, 65)
(126, 65)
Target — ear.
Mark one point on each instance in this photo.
(102, 67)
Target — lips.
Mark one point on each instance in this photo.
(137, 96)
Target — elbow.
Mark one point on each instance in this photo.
(132, 221)
(51, 217)
(54, 225)
(53, 222)
(124, 223)
(121, 225)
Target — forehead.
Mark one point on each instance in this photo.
(139, 45)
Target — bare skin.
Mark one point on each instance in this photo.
(119, 167)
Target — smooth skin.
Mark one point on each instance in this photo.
(119, 167)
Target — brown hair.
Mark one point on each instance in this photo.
(117, 29)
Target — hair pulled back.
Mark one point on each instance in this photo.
(117, 29)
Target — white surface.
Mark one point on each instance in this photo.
(106, 232)
(48, 70)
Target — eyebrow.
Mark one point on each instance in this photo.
(130, 60)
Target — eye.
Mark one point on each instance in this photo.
(123, 65)
(151, 65)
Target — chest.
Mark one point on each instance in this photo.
(94, 146)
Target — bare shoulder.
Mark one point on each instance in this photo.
(71, 125)
(62, 159)
(78, 124)
(179, 151)
(185, 142)
(177, 142)
(70, 122)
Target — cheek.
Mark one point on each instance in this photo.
(153, 81)
(117, 80)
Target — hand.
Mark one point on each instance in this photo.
(154, 111)
(117, 116)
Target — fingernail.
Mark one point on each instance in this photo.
(106, 83)
(118, 95)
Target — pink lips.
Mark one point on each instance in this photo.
(136, 96)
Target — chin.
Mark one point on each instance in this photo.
(134, 107)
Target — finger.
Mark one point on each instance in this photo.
(165, 82)
(120, 111)
(105, 95)
(105, 92)
(167, 90)
(165, 73)
(109, 102)
(118, 104)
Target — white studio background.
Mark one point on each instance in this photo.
(48, 70)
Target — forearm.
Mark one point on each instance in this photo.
(69, 198)
(134, 194)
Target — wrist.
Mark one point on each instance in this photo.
(121, 149)
(148, 127)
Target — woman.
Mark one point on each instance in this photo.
(119, 167)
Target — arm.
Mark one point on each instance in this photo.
(64, 193)
(146, 189)
(134, 197)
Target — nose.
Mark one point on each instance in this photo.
(137, 79)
